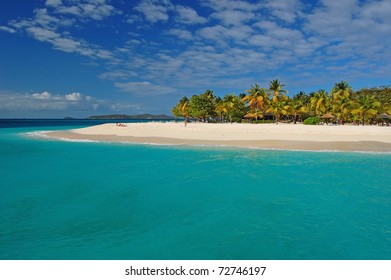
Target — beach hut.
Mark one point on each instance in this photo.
(255, 116)
(327, 117)
(250, 116)
(385, 117)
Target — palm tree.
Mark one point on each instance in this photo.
(275, 87)
(320, 102)
(233, 105)
(257, 99)
(341, 90)
(341, 108)
(185, 108)
(221, 109)
(340, 96)
(366, 106)
(297, 108)
(180, 108)
(278, 108)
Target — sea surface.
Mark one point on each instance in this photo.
(94, 200)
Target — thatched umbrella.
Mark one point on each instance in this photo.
(327, 116)
(385, 116)
(250, 116)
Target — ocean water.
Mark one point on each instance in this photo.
(89, 200)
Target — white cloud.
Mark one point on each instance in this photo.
(47, 28)
(57, 105)
(180, 33)
(53, 3)
(43, 19)
(285, 10)
(76, 96)
(116, 75)
(220, 5)
(42, 34)
(72, 10)
(378, 11)
(7, 29)
(222, 34)
(351, 30)
(67, 45)
(154, 10)
(44, 95)
(233, 17)
(84, 9)
(143, 88)
(187, 15)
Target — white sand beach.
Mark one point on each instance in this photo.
(268, 136)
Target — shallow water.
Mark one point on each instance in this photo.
(75, 200)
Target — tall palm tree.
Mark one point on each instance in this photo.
(341, 108)
(278, 108)
(185, 108)
(340, 97)
(320, 102)
(257, 98)
(220, 109)
(230, 101)
(365, 107)
(182, 108)
(275, 87)
(341, 90)
(297, 108)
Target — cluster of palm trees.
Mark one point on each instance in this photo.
(264, 104)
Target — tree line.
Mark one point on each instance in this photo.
(272, 104)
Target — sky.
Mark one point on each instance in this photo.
(62, 58)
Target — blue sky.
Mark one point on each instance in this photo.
(79, 58)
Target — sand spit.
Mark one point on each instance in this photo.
(265, 136)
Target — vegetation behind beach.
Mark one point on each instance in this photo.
(341, 105)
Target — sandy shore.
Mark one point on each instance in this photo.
(267, 136)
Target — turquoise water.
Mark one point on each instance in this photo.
(74, 200)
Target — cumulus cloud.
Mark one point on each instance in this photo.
(85, 9)
(76, 96)
(57, 105)
(180, 33)
(44, 95)
(188, 15)
(285, 10)
(53, 3)
(154, 10)
(233, 17)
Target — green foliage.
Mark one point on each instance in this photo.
(312, 120)
(363, 105)
(182, 109)
(203, 106)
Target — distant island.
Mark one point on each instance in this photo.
(131, 117)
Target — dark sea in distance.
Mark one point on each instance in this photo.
(115, 201)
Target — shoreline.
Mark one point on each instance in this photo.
(255, 136)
